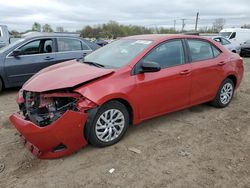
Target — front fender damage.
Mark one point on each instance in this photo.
(52, 124)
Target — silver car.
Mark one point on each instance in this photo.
(4, 36)
(22, 59)
(227, 44)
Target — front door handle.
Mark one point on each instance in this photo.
(48, 58)
(185, 72)
(221, 63)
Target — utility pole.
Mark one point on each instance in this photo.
(183, 23)
(196, 21)
(174, 24)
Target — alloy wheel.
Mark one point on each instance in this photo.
(226, 93)
(109, 125)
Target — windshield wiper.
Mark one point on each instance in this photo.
(93, 63)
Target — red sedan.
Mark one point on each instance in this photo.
(66, 106)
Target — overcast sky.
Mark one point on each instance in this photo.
(75, 14)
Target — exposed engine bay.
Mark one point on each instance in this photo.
(43, 109)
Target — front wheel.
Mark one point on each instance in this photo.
(109, 124)
(224, 94)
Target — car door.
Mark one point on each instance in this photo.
(168, 89)
(207, 70)
(33, 56)
(71, 48)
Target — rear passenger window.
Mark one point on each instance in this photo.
(200, 50)
(85, 46)
(47, 46)
(216, 51)
(167, 54)
(67, 44)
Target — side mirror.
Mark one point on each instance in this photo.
(16, 53)
(149, 66)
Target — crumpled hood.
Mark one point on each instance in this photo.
(64, 75)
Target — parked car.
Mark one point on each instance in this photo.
(236, 35)
(66, 106)
(4, 36)
(227, 44)
(245, 49)
(100, 42)
(22, 59)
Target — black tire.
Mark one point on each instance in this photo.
(218, 102)
(90, 128)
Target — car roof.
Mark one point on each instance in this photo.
(161, 37)
(41, 34)
(218, 36)
(235, 30)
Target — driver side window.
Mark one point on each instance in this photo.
(168, 54)
(30, 48)
(37, 47)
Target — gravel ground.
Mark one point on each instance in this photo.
(198, 147)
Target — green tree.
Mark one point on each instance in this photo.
(15, 33)
(246, 26)
(113, 30)
(60, 29)
(87, 32)
(167, 30)
(47, 28)
(219, 24)
(36, 27)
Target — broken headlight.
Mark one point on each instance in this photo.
(43, 109)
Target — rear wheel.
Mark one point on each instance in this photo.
(224, 94)
(109, 124)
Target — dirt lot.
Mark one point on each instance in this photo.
(198, 147)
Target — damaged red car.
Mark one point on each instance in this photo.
(94, 100)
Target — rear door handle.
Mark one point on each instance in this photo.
(185, 72)
(221, 63)
(48, 58)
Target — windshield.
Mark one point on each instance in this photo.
(225, 34)
(11, 45)
(118, 53)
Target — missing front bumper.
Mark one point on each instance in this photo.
(68, 130)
